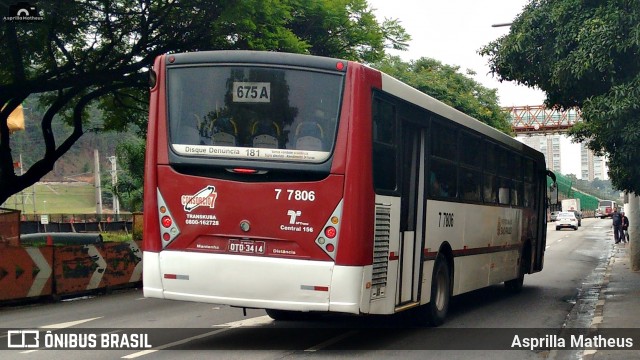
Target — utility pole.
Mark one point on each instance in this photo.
(96, 169)
(633, 213)
(114, 181)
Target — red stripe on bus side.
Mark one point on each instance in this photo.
(431, 255)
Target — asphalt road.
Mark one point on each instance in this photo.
(563, 295)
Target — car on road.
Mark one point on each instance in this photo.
(554, 215)
(578, 216)
(567, 220)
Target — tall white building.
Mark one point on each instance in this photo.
(592, 167)
(549, 145)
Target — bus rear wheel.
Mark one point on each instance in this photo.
(515, 285)
(438, 307)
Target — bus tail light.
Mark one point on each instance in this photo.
(330, 232)
(168, 228)
(328, 238)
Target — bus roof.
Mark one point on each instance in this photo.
(254, 57)
(398, 88)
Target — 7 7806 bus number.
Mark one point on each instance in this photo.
(298, 195)
(446, 219)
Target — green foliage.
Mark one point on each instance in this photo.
(129, 185)
(116, 236)
(89, 51)
(346, 29)
(447, 84)
(582, 54)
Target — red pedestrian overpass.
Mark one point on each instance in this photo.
(539, 120)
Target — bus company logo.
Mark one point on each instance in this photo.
(205, 197)
(293, 214)
(505, 226)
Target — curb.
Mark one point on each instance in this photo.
(598, 315)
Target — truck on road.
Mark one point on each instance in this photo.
(573, 205)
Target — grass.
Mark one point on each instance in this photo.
(55, 198)
(116, 237)
(107, 237)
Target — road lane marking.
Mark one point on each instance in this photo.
(63, 325)
(175, 343)
(68, 324)
(256, 321)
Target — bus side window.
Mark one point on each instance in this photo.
(385, 163)
(470, 183)
(490, 195)
(443, 179)
(503, 192)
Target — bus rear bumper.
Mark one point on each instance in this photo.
(253, 282)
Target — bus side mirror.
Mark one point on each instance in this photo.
(553, 194)
(553, 189)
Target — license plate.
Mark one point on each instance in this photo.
(246, 247)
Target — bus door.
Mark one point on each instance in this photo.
(411, 215)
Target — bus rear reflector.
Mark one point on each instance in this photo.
(168, 229)
(329, 236)
(314, 288)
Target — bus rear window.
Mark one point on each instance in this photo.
(250, 112)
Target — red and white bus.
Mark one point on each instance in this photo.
(606, 208)
(298, 184)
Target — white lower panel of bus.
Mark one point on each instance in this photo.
(255, 282)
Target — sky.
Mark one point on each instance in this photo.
(453, 31)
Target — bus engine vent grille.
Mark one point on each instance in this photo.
(381, 252)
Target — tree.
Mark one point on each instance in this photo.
(353, 34)
(583, 54)
(90, 51)
(447, 84)
(129, 185)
